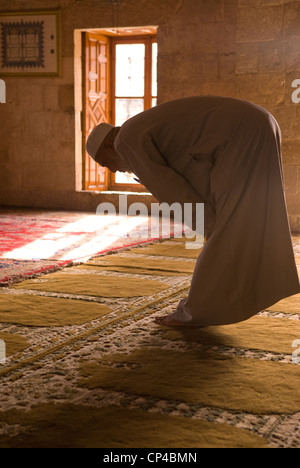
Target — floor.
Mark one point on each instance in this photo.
(83, 342)
(36, 241)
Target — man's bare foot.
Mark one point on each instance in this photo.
(169, 322)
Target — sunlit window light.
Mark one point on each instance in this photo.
(67, 243)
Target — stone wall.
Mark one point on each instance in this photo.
(249, 49)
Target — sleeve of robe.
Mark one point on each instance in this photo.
(158, 177)
(163, 181)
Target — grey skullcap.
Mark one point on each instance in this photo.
(97, 137)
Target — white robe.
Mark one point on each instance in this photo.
(225, 153)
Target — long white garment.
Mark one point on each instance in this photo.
(225, 153)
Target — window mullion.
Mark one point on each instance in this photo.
(148, 73)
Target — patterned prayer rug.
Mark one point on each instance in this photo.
(35, 242)
(86, 365)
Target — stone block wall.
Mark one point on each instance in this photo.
(268, 61)
(249, 49)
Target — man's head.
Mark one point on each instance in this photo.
(100, 146)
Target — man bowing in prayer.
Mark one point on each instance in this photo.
(225, 153)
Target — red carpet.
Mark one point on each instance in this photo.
(39, 241)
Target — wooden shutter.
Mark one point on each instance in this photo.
(97, 103)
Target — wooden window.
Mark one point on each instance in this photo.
(120, 81)
(97, 103)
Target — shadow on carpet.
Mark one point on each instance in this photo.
(86, 366)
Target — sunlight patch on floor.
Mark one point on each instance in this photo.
(73, 241)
